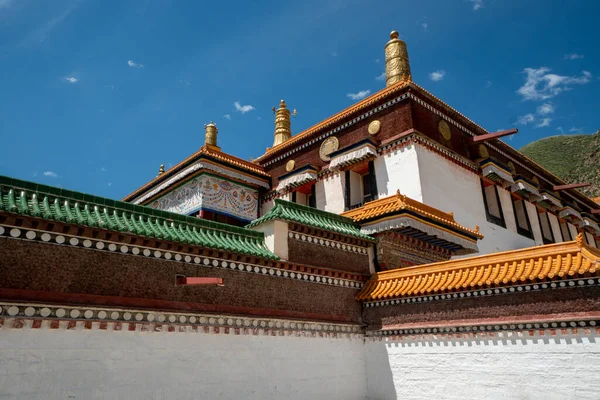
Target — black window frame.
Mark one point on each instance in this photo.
(492, 218)
(544, 239)
(521, 231)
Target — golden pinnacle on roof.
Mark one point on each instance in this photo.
(210, 136)
(283, 129)
(161, 170)
(397, 66)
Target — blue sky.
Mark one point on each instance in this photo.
(96, 94)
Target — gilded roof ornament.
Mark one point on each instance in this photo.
(397, 65)
(283, 130)
(161, 169)
(210, 135)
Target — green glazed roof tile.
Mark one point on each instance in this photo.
(50, 203)
(312, 217)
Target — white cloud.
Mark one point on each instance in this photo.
(544, 123)
(227, 116)
(102, 169)
(545, 109)
(477, 4)
(381, 77)
(51, 174)
(540, 84)
(71, 79)
(525, 119)
(360, 95)
(334, 54)
(576, 130)
(560, 129)
(437, 75)
(488, 84)
(241, 108)
(425, 25)
(377, 60)
(109, 183)
(573, 56)
(5, 3)
(133, 64)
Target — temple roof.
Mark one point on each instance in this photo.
(206, 151)
(79, 209)
(542, 263)
(311, 217)
(384, 214)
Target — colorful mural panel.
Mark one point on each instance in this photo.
(211, 193)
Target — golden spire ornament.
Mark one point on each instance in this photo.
(161, 170)
(283, 129)
(210, 136)
(397, 66)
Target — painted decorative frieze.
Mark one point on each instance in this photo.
(211, 193)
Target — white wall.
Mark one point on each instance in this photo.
(452, 188)
(330, 193)
(276, 237)
(520, 368)
(58, 364)
(356, 190)
(399, 170)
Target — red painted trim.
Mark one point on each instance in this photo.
(187, 280)
(495, 135)
(571, 186)
(152, 304)
(497, 321)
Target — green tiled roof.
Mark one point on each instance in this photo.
(51, 203)
(312, 217)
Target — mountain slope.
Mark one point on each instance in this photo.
(574, 158)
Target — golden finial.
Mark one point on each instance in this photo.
(477, 229)
(579, 239)
(397, 66)
(161, 170)
(210, 135)
(283, 129)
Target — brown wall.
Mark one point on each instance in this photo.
(302, 252)
(394, 120)
(549, 301)
(39, 271)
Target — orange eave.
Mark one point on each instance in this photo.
(391, 204)
(533, 264)
(204, 150)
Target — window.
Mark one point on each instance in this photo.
(305, 195)
(361, 186)
(522, 219)
(493, 208)
(312, 197)
(547, 235)
(566, 233)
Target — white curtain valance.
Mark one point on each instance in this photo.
(521, 186)
(404, 222)
(296, 180)
(591, 224)
(352, 157)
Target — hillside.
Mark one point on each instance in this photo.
(574, 158)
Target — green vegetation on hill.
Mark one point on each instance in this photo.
(574, 158)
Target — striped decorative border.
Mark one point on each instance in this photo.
(487, 292)
(140, 251)
(497, 331)
(36, 316)
(327, 242)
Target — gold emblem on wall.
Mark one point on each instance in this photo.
(444, 129)
(374, 127)
(290, 165)
(328, 146)
(483, 151)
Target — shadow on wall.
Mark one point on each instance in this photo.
(380, 378)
